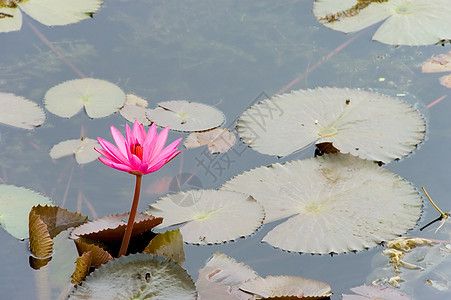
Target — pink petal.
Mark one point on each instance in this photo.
(112, 150)
(116, 166)
(139, 132)
(119, 140)
(149, 143)
(168, 151)
(131, 140)
(159, 145)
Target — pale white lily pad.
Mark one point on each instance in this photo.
(19, 112)
(99, 97)
(10, 19)
(218, 140)
(183, 115)
(221, 278)
(82, 148)
(135, 109)
(365, 124)
(336, 203)
(138, 276)
(209, 216)
(47, 12)
(419, 22)
(15, 205)
(287, 286)
(60, 12)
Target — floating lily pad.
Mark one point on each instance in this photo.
(135, 109)
(47, 12)
(19, 112)
(287, 286)
(183, 115)
(221, 278)
(112, 227)
(41, 244)
(15, 205)
(82, 148)
(168, 244)
(99, 97)
(141, 276)
(10, 19)
(365, 124)
(209, 216)
(375, 292)
(419, 22)
(336, 203)
(218, 140)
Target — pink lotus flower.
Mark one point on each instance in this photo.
(139, 153)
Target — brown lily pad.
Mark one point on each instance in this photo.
(112, 227)
(99, 256)
(82, 267)
(41, 244)
(168, 244)
(58, 219)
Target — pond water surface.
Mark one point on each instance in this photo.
(229, 54)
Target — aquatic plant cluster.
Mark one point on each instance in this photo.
(341, 200)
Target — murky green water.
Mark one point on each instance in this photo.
(229, 54)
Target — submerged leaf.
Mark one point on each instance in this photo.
(221, 278)
(19, 112)
(218, 140)
(15, 205)
(287, 286)
(439, 63)
(82, 148)
(419, 22)
(336, 203)
(141, 276)
(183, 115)
(169, 245)
(209, 216)
(112, 227)
(375, 292)
(365, 124)
(99, 97)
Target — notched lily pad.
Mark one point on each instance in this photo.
(112, 227)
(82, 148)
(47, 12)
(335, 203)
(369, 125)
(419, 22)
(19, 112)
(218, 140)
(209, 216)
(82, 267)
(183, 115)
(141, 276)
(168, 244)
(99, 255)
(58, 219)
(15, 205)
(100, 98)
(135, 109)
(41, 244)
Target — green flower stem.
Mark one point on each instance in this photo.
(131, 218)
